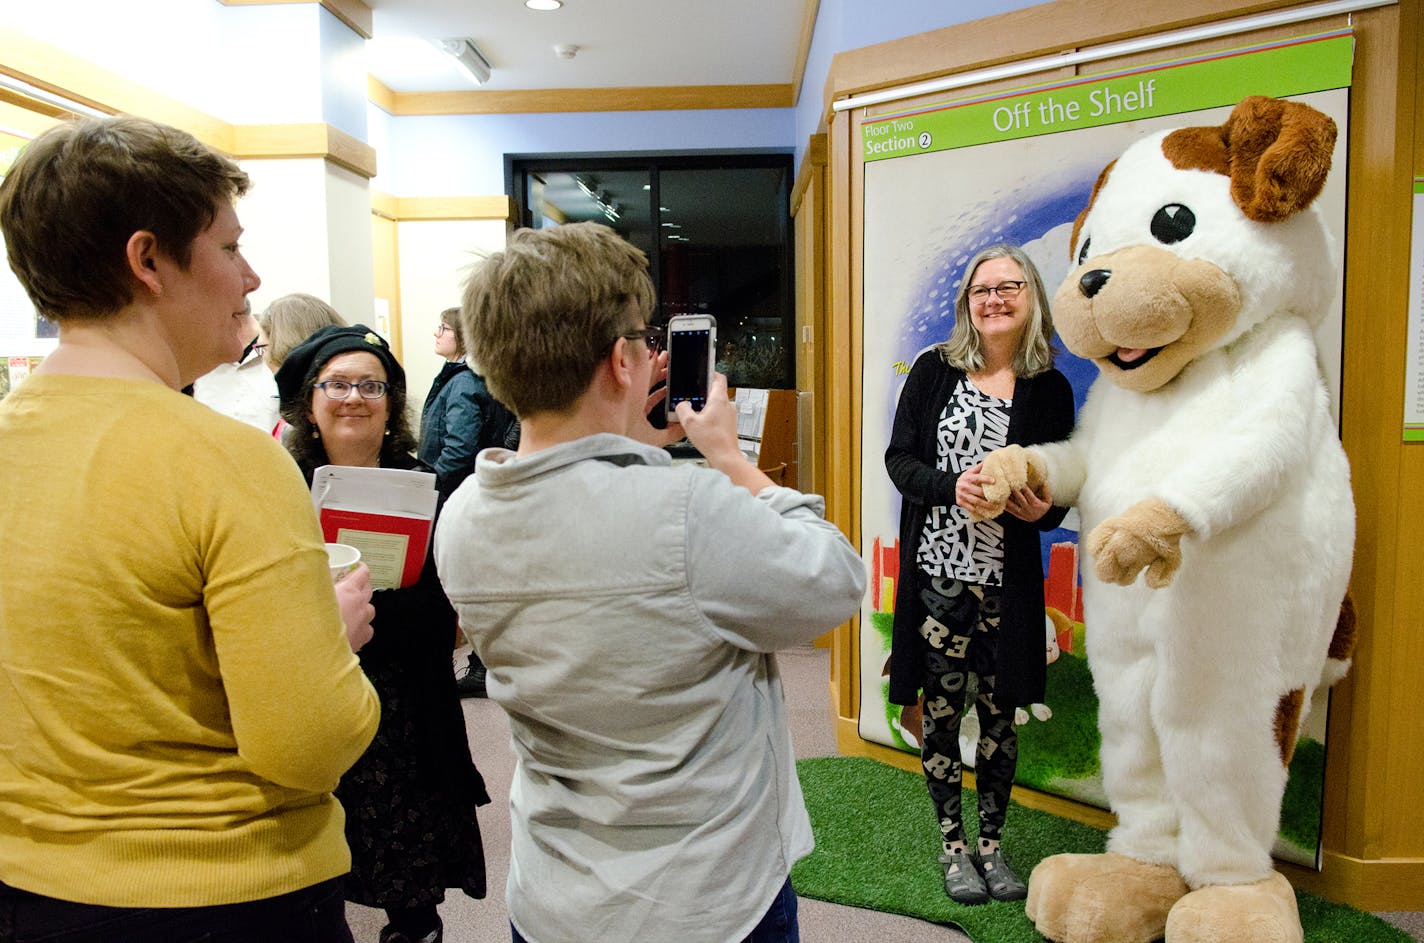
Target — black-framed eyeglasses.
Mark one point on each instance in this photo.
(443, 328)
(341, 389)
(651, 336)
(979, 294)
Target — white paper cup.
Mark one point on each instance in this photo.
(343, 559)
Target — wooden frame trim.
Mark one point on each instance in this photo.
(378, 94)
(816, 154)
(562, 100)
(71, 77)
(353, 13)
(267, 141)
(1027, 33)
(431, 208)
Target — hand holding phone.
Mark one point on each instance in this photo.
(714, 432)
(692, 345)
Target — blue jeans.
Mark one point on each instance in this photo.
(778, 924)
(315, 914)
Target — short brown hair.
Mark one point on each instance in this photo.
(450, 317)
(540, 314)
(80, 190)
(291, 319)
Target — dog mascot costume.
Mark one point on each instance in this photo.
(1216, 501)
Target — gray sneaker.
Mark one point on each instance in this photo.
(963, 884)
(999, 878)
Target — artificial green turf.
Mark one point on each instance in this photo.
(877, 841)
(1060, 757)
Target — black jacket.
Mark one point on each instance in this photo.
(1042, 412)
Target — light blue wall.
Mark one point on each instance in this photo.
(343, 76)
(464, 154)
(851, 24)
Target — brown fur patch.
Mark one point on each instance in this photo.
(1342, 643)
(1198, 149)
(1288, 722)
(1276, 152)
(1078, 223)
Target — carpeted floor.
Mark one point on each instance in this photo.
(804, 672)
(874, 850)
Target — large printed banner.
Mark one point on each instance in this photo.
(942, 182)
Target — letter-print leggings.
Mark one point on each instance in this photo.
(962, 631)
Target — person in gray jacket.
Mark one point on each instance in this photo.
(628, 610)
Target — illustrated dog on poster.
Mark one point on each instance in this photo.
(1216, 501)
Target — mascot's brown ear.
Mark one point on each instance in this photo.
(1277, 154)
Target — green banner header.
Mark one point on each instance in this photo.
(1292, 67)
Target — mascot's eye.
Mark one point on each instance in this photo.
(1083, 252)
(1173, 223)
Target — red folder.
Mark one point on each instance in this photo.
(386, 513)
(388, 542)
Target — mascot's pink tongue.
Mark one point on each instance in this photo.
(1129, 354)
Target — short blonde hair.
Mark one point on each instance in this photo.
(290, 320)
(539, 315)
(964, 348)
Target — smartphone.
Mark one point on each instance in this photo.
(692, 351)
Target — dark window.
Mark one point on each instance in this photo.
(716, 230)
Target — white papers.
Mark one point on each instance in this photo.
(751, 413)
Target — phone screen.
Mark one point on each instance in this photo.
(688, 376)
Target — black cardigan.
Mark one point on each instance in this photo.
(417, 627)
(1042, 412)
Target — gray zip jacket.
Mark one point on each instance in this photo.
(627, 611)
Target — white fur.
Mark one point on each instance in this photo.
(1241, 444)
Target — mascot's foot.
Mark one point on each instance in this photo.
(1107, 898)
(1263, 912)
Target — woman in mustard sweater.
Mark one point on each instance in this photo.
(178, 691)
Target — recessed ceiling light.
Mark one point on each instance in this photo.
(543, 4)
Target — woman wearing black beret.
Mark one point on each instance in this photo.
(410, 800)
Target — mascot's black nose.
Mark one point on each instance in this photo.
(1093, 281)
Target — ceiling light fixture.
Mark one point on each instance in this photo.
(468, 57)
(543, 4)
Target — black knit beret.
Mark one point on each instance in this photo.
(307, 358)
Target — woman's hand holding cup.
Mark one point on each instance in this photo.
(353, 594)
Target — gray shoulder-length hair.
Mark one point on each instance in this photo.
(964, 348)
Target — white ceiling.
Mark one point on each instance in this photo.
(622, 43)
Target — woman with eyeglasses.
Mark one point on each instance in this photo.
(410, 800)
(969, 600)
